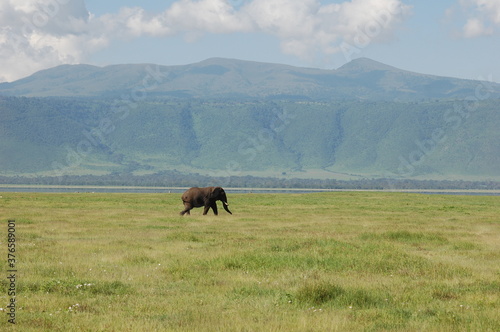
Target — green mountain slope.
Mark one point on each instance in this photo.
(231, 117)
(54, 136)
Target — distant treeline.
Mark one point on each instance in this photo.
(177, 179)
(95, 136)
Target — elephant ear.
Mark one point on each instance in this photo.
(216, 192)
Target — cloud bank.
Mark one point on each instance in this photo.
(483, 17)
(37, 34)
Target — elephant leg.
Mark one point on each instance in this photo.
(214, 207)
(205, 209)
(187, 208)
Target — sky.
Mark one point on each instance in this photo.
(454, 38)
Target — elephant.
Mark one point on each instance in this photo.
(206, 197)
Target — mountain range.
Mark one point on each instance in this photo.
(233, 117)
(360, 79)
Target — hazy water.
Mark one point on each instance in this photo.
(87, 189)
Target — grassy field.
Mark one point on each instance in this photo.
(282, 262)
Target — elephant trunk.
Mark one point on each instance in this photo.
(223, 198)
(225, 208)
(225, 204)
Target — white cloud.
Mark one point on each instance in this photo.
(36, 34)
(307, 28)
(475, 28)
(304, 27)
(483, 17)
(213, 16)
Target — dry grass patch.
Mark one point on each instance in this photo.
(325, 261)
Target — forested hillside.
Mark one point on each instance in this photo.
(234, 118)
(331, 139)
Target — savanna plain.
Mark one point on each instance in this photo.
(344, 261)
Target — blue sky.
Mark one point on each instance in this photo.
(457, 38)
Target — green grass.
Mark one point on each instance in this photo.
(282, 262)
